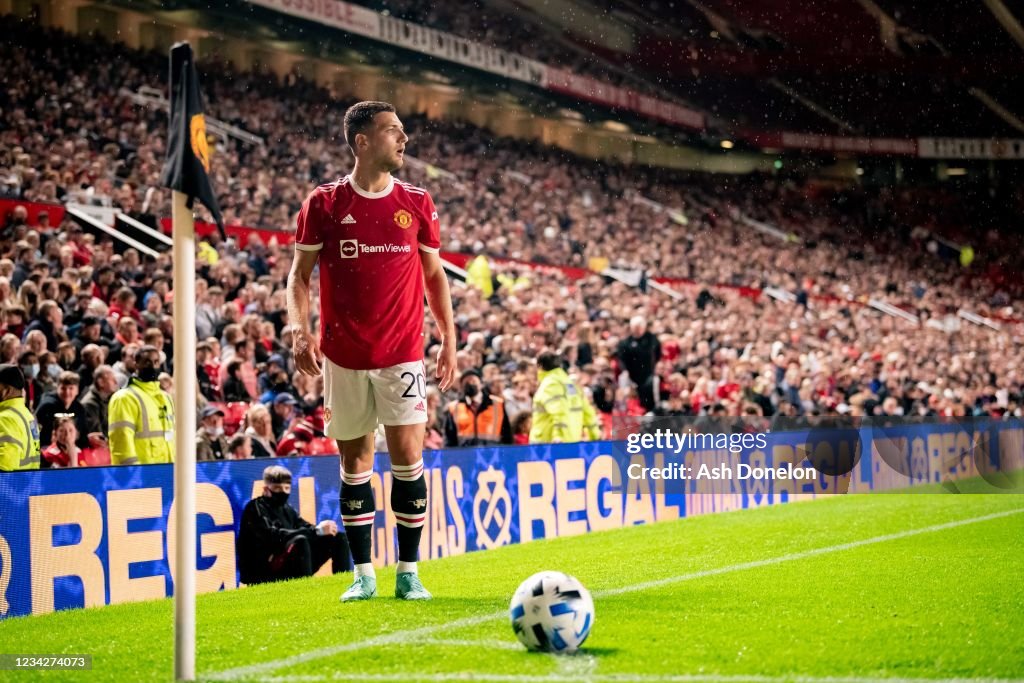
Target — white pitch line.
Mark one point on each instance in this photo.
(260, 669)
(617, 678)
(399, 637)
(578, 667)
(452, 642)
(658, 583)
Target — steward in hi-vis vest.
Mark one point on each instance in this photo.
(141, 416)
(477, 418)
(19, 432)
(561, 413)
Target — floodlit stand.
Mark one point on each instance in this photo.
(184, 310)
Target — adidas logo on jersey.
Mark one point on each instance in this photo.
(420, 406)
(348, 220)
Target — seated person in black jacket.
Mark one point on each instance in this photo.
(274, 543)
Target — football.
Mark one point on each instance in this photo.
(552, 612)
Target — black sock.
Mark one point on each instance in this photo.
(357, 512)
(409, 503)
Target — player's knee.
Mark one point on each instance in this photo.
(405, 443)
(356, 454)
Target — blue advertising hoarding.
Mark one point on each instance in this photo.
(74, 538)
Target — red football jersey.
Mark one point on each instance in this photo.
(371, 279)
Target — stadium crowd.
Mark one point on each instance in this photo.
(75, 311)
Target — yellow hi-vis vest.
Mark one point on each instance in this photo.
(141, 419)
(561, 413)
(19, 437)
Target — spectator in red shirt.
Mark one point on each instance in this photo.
(297, 438)
(63, 452)
(103, 283)
(124, 305)
(83, 253)
(521, 425)
(127, 334)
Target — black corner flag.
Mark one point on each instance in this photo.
(188, 152)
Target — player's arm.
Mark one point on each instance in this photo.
(439, 299)
(304, 346)
(308, 243)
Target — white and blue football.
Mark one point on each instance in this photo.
(552, 612)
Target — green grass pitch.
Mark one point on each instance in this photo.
(851, 588)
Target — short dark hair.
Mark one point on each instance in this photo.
(237, 441)
(520, 420)
(148, 348)
(359, 117)
(549, 361)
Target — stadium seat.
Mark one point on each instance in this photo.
(234, 413)
(94, 457)
(323, 445)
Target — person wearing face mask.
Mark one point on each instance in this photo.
(477, 418)
(34, 390)
(141, 416)
(210, 441)
(278, 384)
(275, 543)
(19, 432)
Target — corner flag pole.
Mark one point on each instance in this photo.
(184, 309)
(186, 172)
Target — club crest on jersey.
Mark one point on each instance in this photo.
(403, 219)
(327, 415)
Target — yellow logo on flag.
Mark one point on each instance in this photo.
(403, 219)
(200, 146)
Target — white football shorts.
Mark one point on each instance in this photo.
(355, 401)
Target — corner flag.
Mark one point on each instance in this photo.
(188, 153)
(188, 160)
